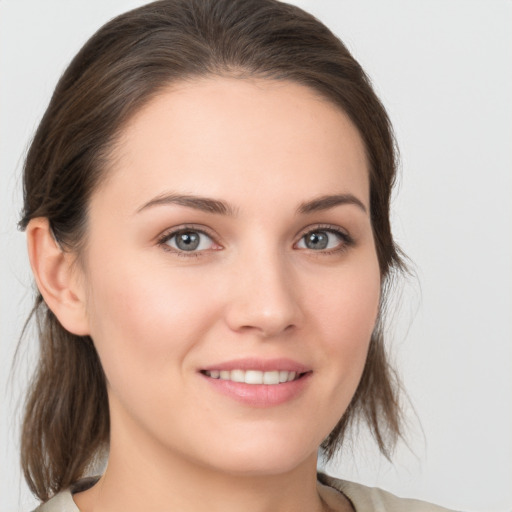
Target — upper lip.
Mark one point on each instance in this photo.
(263, 365)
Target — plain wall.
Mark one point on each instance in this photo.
(443, 69)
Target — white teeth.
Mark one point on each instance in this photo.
(271, 378)
(237, 376)
(254, 376)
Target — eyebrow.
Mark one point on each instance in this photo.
(330, 201)
(204, 204)
(209, 205)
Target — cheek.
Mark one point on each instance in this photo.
(347, 307)
(346, 313)
(144, 322)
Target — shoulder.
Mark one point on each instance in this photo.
(61, 502)
(363, 498)
(371, 499)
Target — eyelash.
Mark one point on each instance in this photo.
(168, 235)
(346, 241)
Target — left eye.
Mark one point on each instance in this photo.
(189, 240)
(320, 240)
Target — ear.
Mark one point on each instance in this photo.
(56, 277)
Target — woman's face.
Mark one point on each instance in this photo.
(232, 242)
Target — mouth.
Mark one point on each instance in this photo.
(271, 378)
(257, 382)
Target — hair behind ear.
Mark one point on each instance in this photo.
(375, 402)
(64, 426)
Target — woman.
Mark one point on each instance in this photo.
(207, 214)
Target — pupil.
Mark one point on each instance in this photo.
(188, 241)
(317, 240)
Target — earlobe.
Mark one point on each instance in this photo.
(56, 277)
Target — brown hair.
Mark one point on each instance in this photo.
(126, 63)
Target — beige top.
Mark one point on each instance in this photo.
(363, 499)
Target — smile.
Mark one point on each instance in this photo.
(254, 376)
(258, 382)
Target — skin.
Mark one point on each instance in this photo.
(157, 316)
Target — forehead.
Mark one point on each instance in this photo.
(228, 137)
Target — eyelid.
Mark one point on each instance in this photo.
(345, 242)
(169, 233)
(346, 239)
(323, 227)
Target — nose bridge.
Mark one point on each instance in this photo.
(264, 297)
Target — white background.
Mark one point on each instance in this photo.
(443, 68)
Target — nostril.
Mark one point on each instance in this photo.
(263, 302)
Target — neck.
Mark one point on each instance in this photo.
(191, 489)
(144, 477)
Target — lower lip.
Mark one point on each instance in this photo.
(260, 395)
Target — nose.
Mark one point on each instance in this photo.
(264, 298)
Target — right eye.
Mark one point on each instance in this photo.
(188, 240)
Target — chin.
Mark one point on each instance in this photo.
(261, 455)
